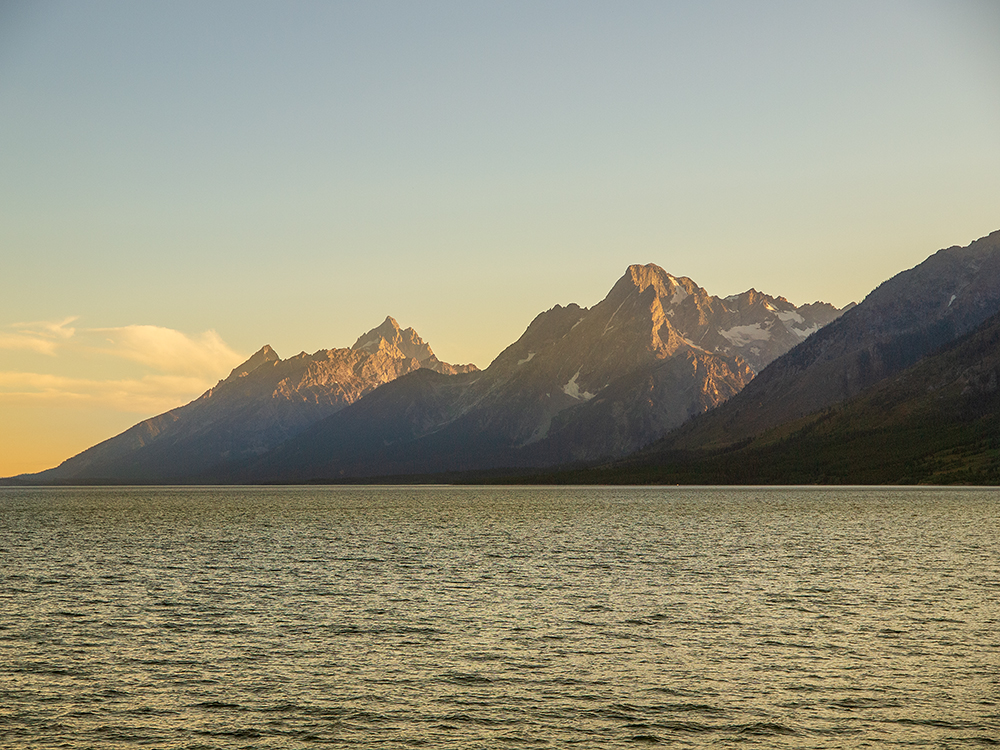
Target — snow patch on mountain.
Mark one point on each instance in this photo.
(572, 389)
(743, 335)
(693, 345)
(791, 317)
(804, 333)
(608, 326)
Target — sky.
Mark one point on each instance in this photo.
(183, 182)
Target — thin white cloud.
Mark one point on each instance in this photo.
(44, 337)
(168, 350)
(27, 343)
(179, 367)
(152, 394)
(161, 349)
(56, 330)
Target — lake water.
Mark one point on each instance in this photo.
(499, 617)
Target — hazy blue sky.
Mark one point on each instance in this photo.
(182, 182)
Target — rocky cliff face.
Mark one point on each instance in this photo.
(262, 403)
(578, 384)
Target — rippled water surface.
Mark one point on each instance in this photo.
(499, 617)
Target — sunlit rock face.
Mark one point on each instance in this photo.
(264, 401)
(578, 384)
(677, 313)
(400, 344)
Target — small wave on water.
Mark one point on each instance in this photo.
(498, 618)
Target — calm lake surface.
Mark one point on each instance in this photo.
(446, 617)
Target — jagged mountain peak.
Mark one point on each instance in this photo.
(650, 322)
(404, 343)
(389, 329)
(262, 403)
(407, 342)
(667, 314)
(262, 356)
(641, 277)
(646, 275)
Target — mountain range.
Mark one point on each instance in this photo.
(658, 382)
(580, 384)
